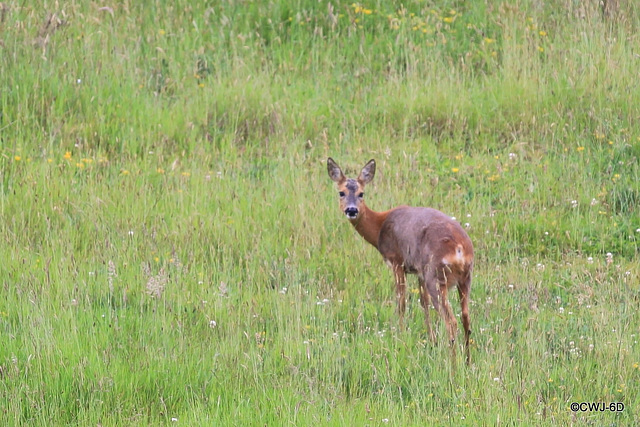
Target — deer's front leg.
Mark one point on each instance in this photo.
(401, 291)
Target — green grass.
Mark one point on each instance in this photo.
(172, 251)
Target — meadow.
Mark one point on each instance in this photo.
(171, 247)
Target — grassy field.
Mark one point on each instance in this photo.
(172, 250)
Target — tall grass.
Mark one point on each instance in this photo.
(172, 249)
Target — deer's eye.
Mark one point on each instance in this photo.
(361, 195)
(341, 194)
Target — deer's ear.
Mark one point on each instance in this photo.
(368, 172)
(335, 173)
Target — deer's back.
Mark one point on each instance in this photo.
(415, 237)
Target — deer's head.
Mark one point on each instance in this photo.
(351, 190)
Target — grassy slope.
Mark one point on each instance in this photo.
(182, 147)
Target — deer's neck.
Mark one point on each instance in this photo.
(369, 223)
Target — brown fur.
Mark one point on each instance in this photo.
(413, 240)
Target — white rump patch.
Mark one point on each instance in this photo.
(458, 259)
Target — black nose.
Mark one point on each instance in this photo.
(351, 212)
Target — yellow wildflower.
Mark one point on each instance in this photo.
(67, 155)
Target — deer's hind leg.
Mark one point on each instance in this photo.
(464, 289)
(438, 289)
(425, 301)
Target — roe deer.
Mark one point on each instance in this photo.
(421, 241)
